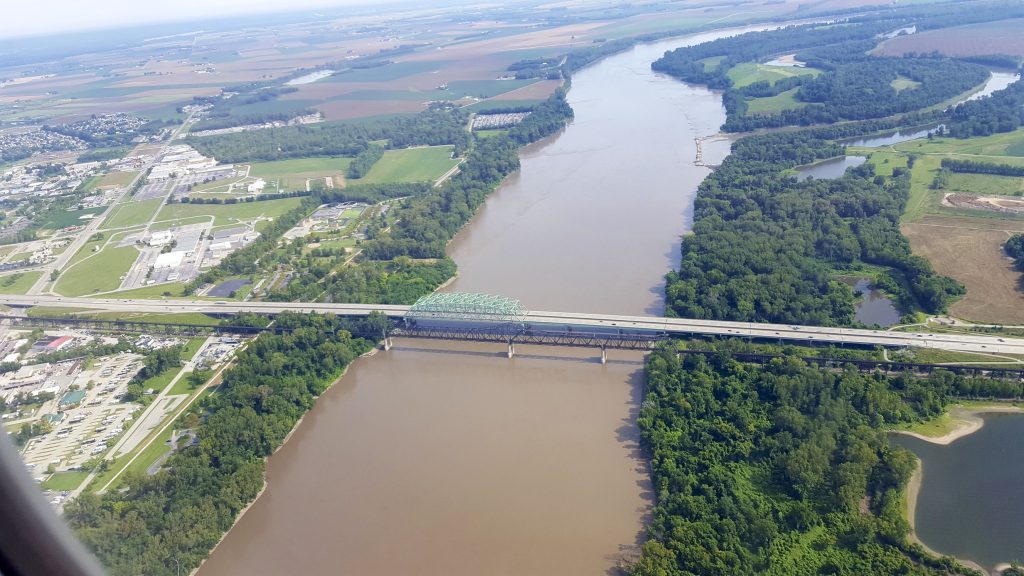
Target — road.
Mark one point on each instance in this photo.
(578, 321)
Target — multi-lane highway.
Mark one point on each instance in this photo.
(578, 321)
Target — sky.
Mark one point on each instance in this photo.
(37, 17)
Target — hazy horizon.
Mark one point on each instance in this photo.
(62, 16)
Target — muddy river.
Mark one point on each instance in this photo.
(448, 458)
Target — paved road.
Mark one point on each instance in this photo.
(578, 321)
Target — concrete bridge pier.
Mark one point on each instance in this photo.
(387, 343)
(511, 350)
(604, 355)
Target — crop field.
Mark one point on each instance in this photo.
(973, 40)
(411, 165)
(747, 73)
(132, 213)
(774, 104)
(393, 71)
(19, 282)
(101, 272)
(292, 174)
(223, 214)
(970, 250)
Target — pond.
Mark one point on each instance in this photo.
(890, 138)
(874, 307)
(829, 169)
(970, 504)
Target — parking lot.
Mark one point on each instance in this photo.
(86, 428)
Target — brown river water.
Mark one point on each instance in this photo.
(443, 458)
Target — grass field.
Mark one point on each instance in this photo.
(900, 84)
(711, 63)
(228, 213)
(747, 73)
(411, 165)
(61, 481)
(774, 104)
(171, 290)
(173, 318)
(63, 218)
(19, 282)
(292, 174)
(132, 213)
(100, 273)
(1008, 144)
(987, 184)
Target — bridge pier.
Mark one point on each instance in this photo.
(387, 343)
(604, 354)
(511, 350)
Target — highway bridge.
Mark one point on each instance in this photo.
(480, 317)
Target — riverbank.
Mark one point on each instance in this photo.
(243, 511)
(960, 421)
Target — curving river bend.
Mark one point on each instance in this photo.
(448, 458)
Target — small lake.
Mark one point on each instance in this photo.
(890, 138)
(971, 504)
(829, 169)
(874, 306)
(997, 82)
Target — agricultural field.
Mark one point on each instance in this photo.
(132, 213)
(973, 40)
(411, 165)
(224, 214)
(100, 272)
(960, 241)
(293, 174)
(971, 250)
(747, 73)
(19, 282)
(774, 104)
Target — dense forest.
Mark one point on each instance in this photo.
(1003, 111)
(365, 160)
(765, 246)
(783, 469)
(433, 127)
(182, 511)
(1015, 249)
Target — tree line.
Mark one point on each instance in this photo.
(974, 167)
(784, 468)
(432, 127)
(365, 160)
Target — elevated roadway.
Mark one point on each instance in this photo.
(565, 321)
